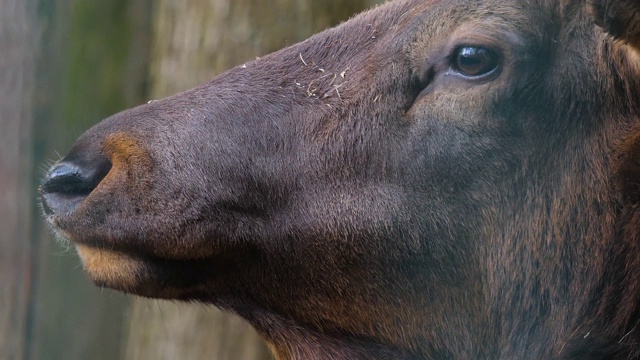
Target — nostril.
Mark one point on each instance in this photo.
(68, 182)
(66, 179)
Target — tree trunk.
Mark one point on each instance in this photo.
(17, 63)
(194, 40)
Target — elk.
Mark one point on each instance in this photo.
(461, 181)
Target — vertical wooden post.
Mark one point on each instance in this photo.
(18, 30)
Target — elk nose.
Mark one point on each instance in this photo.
(69, 182)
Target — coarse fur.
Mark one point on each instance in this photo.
(360, 196)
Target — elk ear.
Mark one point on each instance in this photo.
(619, 18)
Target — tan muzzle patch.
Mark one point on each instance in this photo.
(110, 268)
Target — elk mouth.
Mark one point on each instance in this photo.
(63, 190)
(115, 257)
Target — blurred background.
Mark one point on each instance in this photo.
(66, 64)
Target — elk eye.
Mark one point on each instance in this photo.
(473, 61)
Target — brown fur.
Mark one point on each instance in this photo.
(355, 196)
(619, 18)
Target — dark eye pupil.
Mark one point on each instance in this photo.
(475, 61)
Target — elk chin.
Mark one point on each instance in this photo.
(113, 269)
(141, 275)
